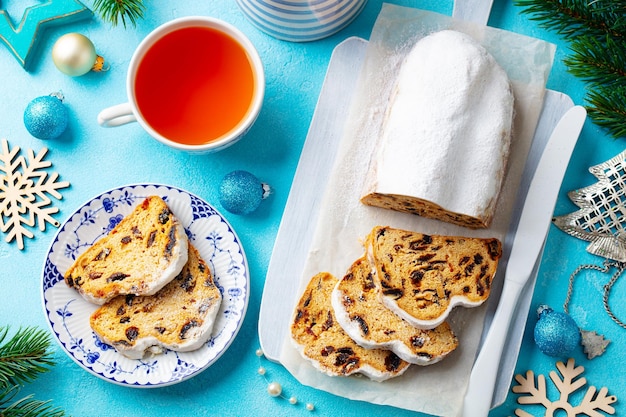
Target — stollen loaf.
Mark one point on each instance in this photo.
(446, 135)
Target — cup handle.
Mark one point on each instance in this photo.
(118, 115)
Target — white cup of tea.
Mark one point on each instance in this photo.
(194, 83)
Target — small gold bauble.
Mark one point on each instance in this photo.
(74, 54)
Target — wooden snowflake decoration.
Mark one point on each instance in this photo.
(25, 190)
(590, 405)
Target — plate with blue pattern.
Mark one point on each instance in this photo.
(68, 313)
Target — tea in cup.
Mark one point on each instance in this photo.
(195, 83)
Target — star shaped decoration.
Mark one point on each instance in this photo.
(22, 40)
(593, 343)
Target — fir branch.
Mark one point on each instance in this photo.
(24, 356)
(597, 62)
(571, 18)
(596, 30)
(607, 108)
(22, 359)
(616, 9)
(114, 11)
(25, 407)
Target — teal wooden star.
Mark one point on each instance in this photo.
(22, 41)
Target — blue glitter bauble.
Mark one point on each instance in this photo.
(556, 334)
(46, 117)
(241, 192)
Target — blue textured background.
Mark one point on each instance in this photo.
(94, 159)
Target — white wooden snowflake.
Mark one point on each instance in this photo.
(592, 402)
(25, 190)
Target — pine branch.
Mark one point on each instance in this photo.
(607, 108)
(25, 407)
(24, 356)
(616, 9)
(596, 30)
(22, 359)
(570, 18)
(114, 11)
(598, 62)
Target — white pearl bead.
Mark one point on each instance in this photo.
(274, 389)
(310, 406)
(259, 352)
(293, 400)
(261, 370)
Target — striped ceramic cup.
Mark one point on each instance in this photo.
(301, 20)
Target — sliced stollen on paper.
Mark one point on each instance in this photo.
(344, 221)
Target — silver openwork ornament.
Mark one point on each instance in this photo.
(600, 221)
(602, 213)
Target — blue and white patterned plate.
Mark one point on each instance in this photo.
(68, 313)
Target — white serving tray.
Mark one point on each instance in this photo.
(309, 185)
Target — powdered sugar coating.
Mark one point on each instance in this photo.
(447, 131)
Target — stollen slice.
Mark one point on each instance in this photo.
(423, 277)
(179, 317)
(321, 340)
(144, 252)
(360, 312)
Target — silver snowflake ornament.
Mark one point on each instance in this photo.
(25, 191)
(602, 215)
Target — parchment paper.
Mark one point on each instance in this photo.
(344, 222)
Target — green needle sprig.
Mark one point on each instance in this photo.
(115, 11)
(571, 18)
(22, 358)
(25, 407)
(596, 30)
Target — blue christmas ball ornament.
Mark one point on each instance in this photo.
(556, 333)
(46, 117)
(241, 192)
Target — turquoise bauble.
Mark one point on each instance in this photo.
(241, 192)
(46, 117)
(556, 333)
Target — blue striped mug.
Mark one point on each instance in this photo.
(301, 20)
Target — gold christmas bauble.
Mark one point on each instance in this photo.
(74, 54)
